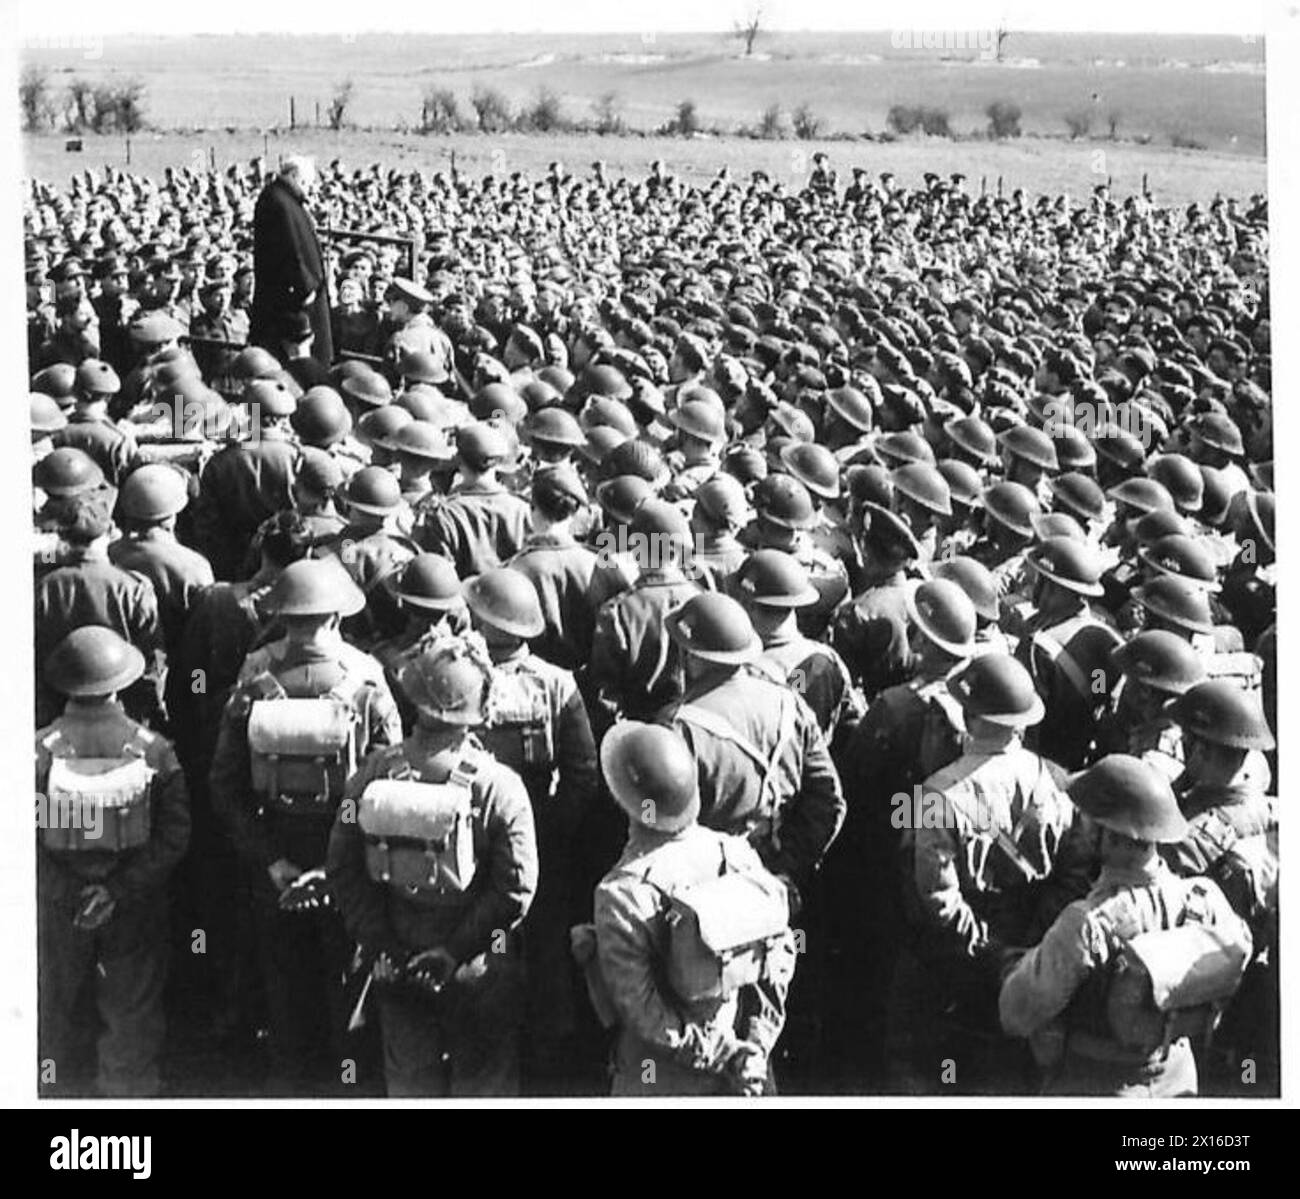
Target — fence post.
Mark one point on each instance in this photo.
(293, 113)
(984, 184)
(999, 187)
(128, 151)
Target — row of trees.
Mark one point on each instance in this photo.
(118, 106)
(81, 106)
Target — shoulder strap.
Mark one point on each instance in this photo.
(722, 728)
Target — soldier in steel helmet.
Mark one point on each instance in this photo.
(304, 712)
(540, 729)
(670, 1043)
(441, 926)
(113, 822)
(1057, 994)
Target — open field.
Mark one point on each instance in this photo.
(1209, 89)
(1175, 176)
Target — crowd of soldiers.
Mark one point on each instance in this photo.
(676, 638)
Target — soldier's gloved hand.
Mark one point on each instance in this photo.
(746, 1070)
(309, 892)
(97, 907)
(430, 969)
(582, 943)
(282, 873)
(387, 969)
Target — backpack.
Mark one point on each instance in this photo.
(420, 836)
(721, 930)
(519, 733)
(1174, 982)
(97, 804)
(301, 751)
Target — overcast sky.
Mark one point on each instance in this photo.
(72, 18)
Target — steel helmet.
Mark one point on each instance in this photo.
(775, 579)
(599, 378)
(945, 614)
(904, 447)
(923, 485)
(556, 427)
(374, 490)
(501, 401)
(97, 378)
(271, 397)
(507, 600)
(428, 581)
(422, 367)
(322, 417)
(449, 683)
(651, 773)
(997, 688)
(254, 362)
(1224, 714)
(964, 483)
(1125, 794)
(93, 661)
(637, 457)
(67, 471)
(1030, 444)
(1119, 447)
(1057, 524)
(700, 419)
(723, 500)
(1218, 430)
(369, 388)
(1161, 660)
(602, 412)
(870, 484)
(535, 394)
(420, 439)
(1183, 556)
(784, 501)
(1074, 452)
(57, 382)
(314, 587)
(716, 628)
(154, 491)
(1142, 495)
(1178, 602)
(1153, 526)
(45, 414)
(1079, 495)
(814, 466)
(622, 495)
(1074, 565)
(659, 531)
(973, 436)
(889, 533)
(1216, 495)
(1012, 505)
(481, 445)
(1181, 477)
(852, 407)
(975, 579)
(379, 426)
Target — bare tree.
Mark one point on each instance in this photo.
(338, 108)
(748, 30)
(605, 109)
(1002, 34)
(440, 112)
(34, 98)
